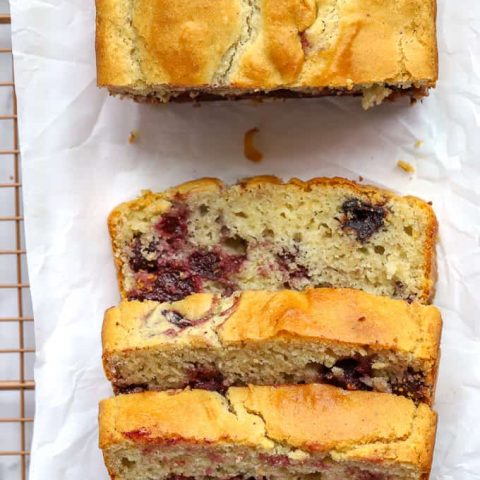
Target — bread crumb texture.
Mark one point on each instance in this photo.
(133, 136)
(263, 234)
(162, 47)
(256, 431)
(406, 166)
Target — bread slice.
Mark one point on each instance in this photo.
(292, 432)
(204, 236)
(342, 337)
(161, 50)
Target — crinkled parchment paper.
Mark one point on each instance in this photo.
(78, 164)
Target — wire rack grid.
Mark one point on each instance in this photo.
(16, 320)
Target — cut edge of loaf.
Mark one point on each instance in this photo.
(147, 198)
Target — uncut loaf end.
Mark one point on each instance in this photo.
(163, 50)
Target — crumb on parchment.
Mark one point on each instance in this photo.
(375, 95)
(249, 149)
(405, 166)
(418, 143)
(133, 136)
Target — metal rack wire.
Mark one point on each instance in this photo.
(16, 321)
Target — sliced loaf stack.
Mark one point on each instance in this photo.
(272, 330)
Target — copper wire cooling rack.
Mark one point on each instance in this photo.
(16, 320)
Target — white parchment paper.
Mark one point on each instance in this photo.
(78, 164)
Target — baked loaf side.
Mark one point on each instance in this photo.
(341, 337)
(203, 236)
(162, 49)
(266, 432)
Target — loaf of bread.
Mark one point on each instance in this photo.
(262, 234)
(343, 337)
(291, 432)
(161, 50)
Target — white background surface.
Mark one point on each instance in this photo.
(78, 165)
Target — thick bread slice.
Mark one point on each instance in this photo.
(204, 236)
(157, 50)
(282, 432)
(343, 337)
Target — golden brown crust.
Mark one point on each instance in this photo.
(191, 416)
(423, 43)
(346, 316)
(112, 222)
(363, 426)
(123, 325)
(320, 417)
(419, 450)
(158, 202)
(347, 44)
(430, 256)
(270, 44)
(343, 315)
(114, 63)
(183, 43)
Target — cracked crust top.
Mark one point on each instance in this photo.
(362, 426)
(345, 316)
(265, 44)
